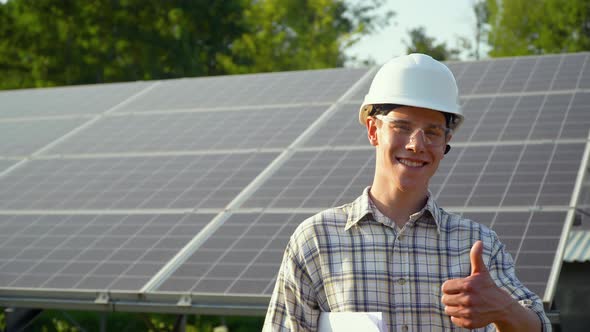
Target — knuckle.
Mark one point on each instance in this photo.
(468, 286)
(467, 301)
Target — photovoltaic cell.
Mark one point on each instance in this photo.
(242, 257)
(5, 163)
(517, 118)
(87, 99)
(342, 129)
(531, 238)
(104, 252)
(21, 138)
(205, 181)
(319, 86)
(317, 179)
(209, 131)
(515, 175)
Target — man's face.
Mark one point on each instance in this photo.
(407, 150)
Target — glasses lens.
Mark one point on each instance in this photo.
(433, 135)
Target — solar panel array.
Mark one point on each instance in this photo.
(193, 186)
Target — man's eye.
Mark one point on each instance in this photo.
(402, 128)
(435, 133)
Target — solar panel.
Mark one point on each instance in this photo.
(194, 131)
(6, 163)
(318, 86)
(21, 138)
(475, 176)
(175, 182)
(532, 239)
(87, 99)
(499, 118)
(241, 257)
(511, 175)
(111, 251)
(193, 186)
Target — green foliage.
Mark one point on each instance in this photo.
(63, 42)
(420, 43)
(54, 42)
(71, 321)
(301, 34)
(482, 14)
(522, 27)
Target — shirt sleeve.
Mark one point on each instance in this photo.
(293, 305)
(502, 271)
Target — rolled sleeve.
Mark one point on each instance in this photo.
(537, 308)
(502, 270)
(293, 305)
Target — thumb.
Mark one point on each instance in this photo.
(477, 263)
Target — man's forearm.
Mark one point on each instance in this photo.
(519, 318)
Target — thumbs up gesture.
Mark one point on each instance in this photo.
(475, 301)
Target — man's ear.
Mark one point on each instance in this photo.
(447, 146)
(371, 124)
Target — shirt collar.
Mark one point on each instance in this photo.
(362, 209)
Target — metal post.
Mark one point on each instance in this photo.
(180, 325)
(17, 319)
(103, 322)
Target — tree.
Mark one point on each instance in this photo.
(50, 42)
(420, 43)
(302, 34)
(521, 27)
(62, 42)
(481, 11)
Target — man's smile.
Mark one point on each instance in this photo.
(411, 162)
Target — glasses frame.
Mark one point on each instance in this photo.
(447, 131)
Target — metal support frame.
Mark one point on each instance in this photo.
(17, 319)
(103, 322)
(180, 324)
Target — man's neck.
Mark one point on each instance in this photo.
(397, 205)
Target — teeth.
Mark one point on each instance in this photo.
(410, 163)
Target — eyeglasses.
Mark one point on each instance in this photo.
(434, 136)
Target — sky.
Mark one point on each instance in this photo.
(444, 20)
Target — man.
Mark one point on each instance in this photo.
(393, 250)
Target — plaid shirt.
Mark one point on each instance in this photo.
(352, 258)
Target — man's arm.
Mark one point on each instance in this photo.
(293, 305)
(476, 301)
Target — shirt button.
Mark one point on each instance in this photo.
(405, 328)
(401, 237)
(401, 281)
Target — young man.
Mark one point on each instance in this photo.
(393, 250)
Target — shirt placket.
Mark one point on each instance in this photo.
(403, 282)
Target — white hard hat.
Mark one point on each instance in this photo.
(414, 80)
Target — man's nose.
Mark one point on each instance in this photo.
(417, 141)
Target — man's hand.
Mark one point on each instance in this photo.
(476, 301)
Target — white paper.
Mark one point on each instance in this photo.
(351, 321)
